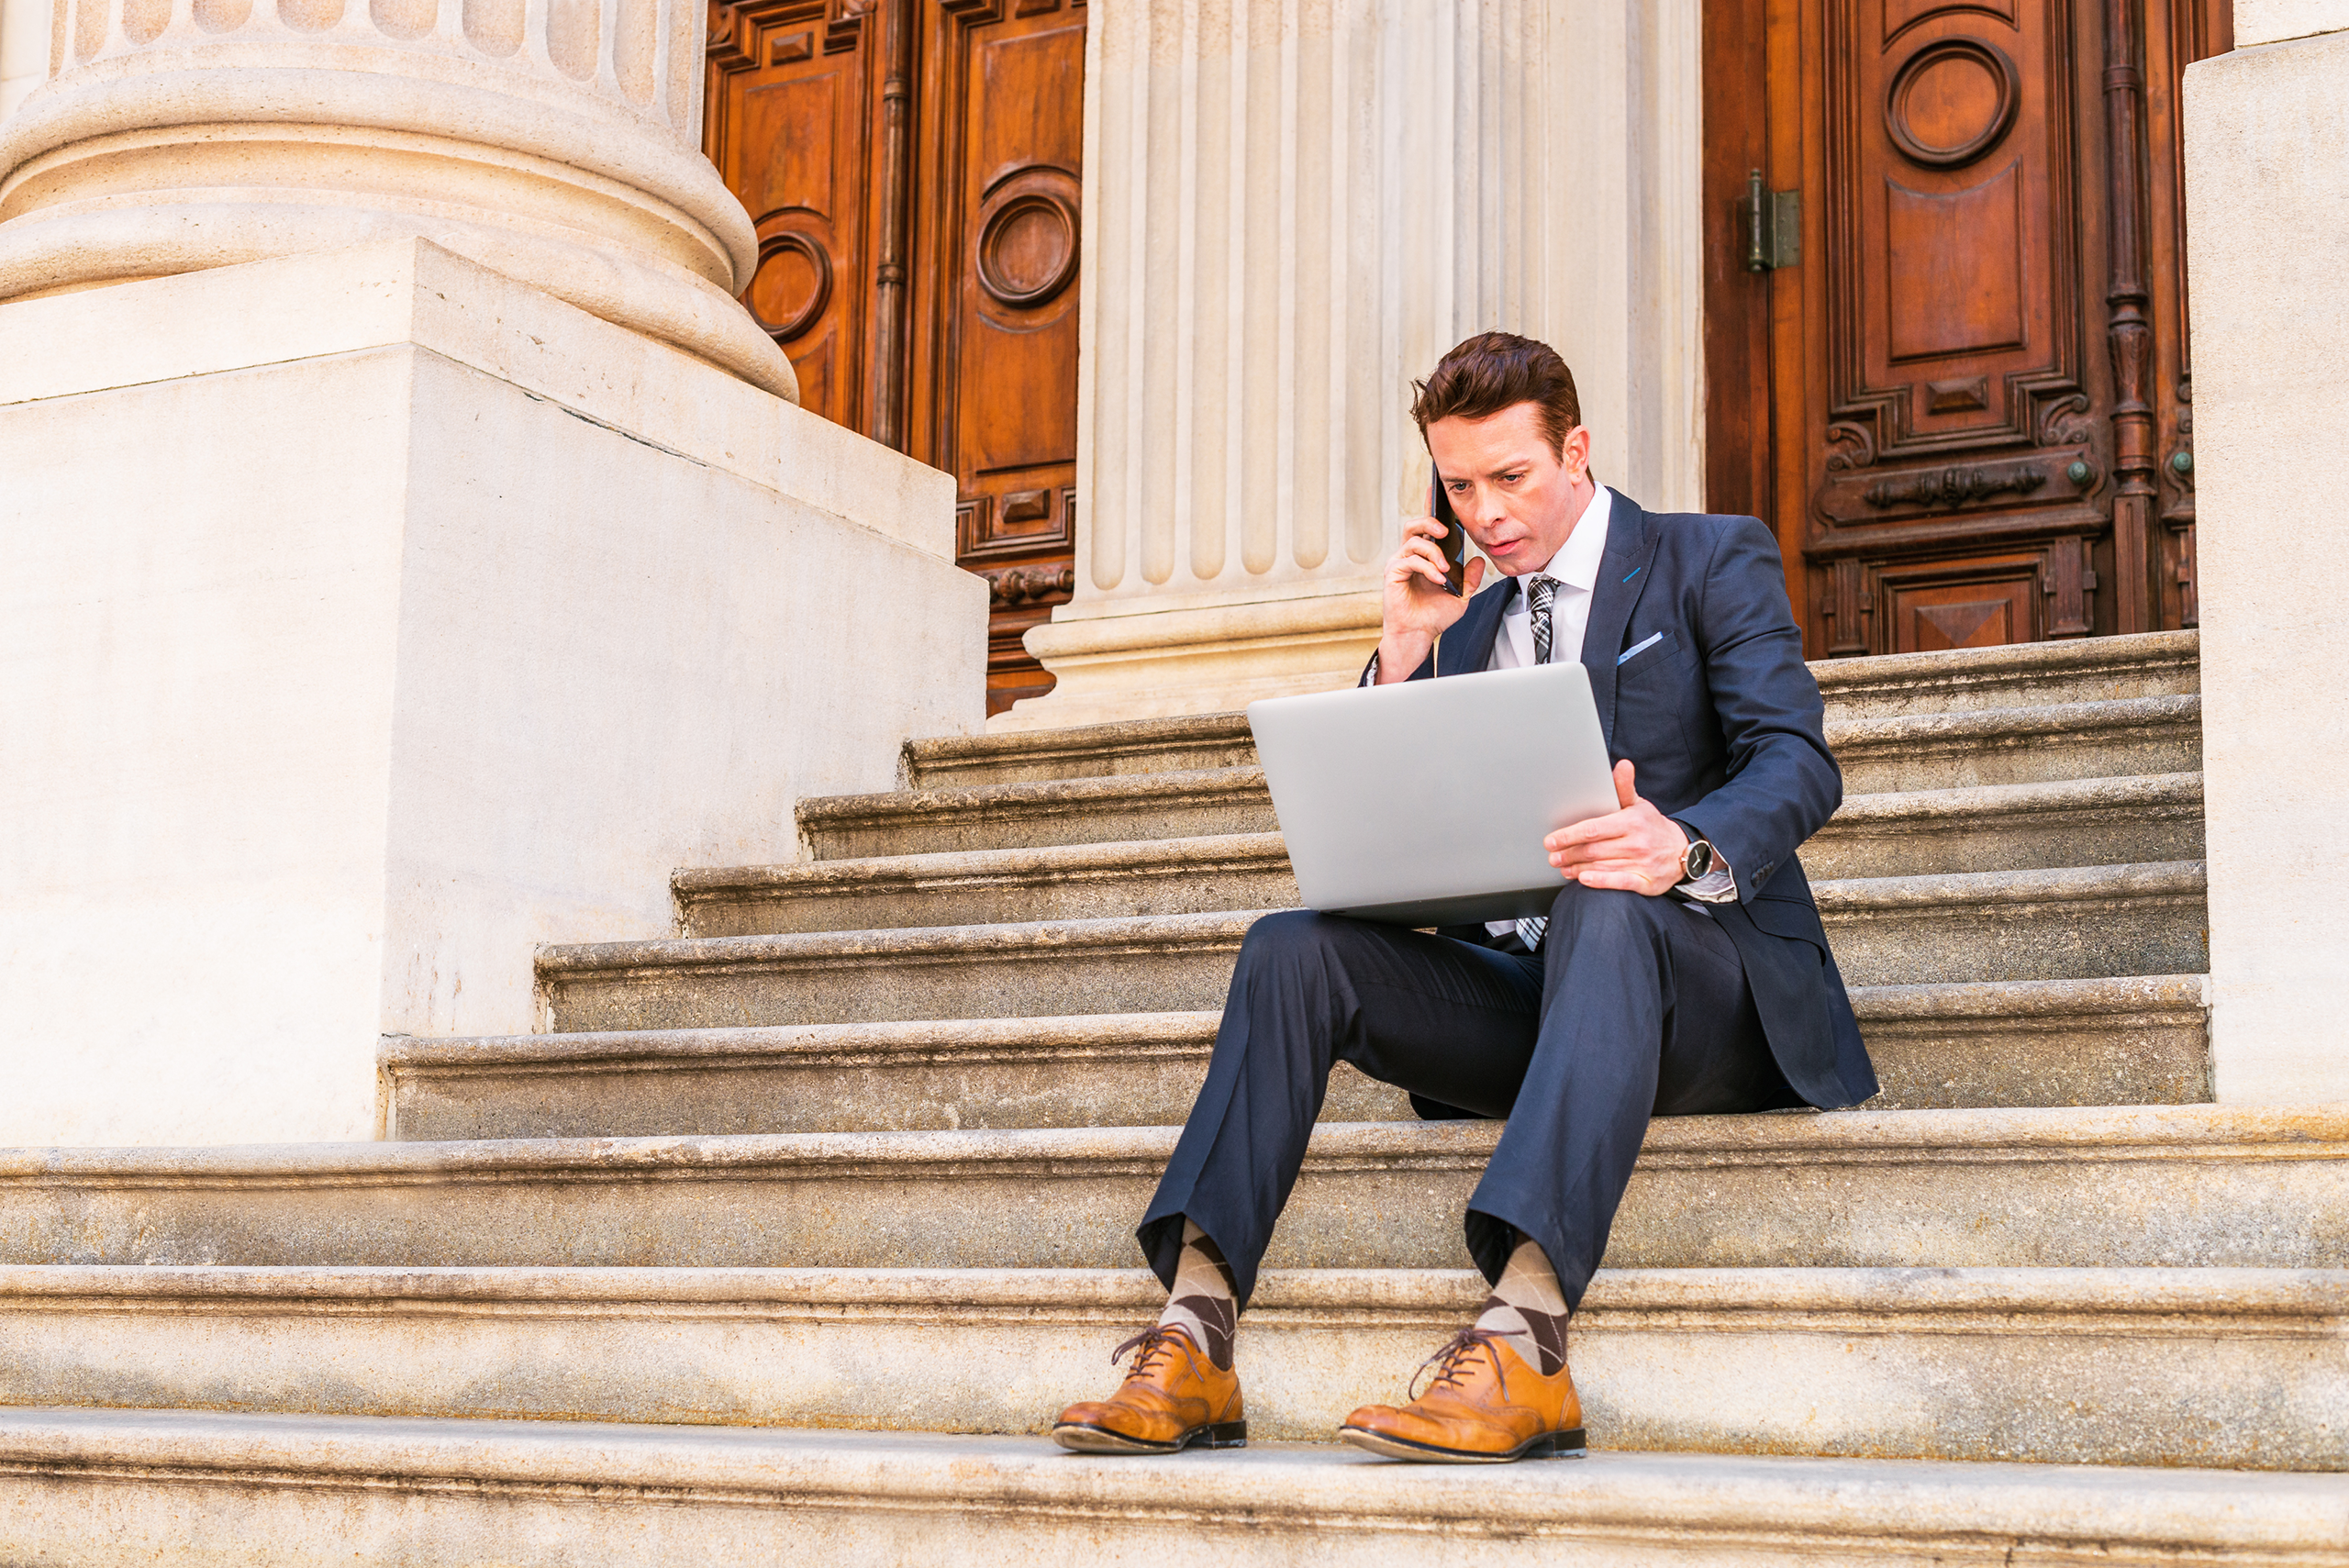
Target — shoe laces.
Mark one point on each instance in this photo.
(1150, 1345)
(1451, 1362)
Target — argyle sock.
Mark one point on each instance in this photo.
(1204, 1304)
(1530, 1308)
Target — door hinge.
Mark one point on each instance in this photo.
(1772, 225)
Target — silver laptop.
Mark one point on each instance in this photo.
(1425, 803)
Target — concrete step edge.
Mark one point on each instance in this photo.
(1027, 1038)
(1193, 786)
(2153, 881)
(2019, 1135)
(1990, 807)
(2086, 886)
(1845, 681)
(1855, 740)
(2316, 1298)
(1077, 745)
(2059, 802)
(903, 944)
(1922, 733)
(1841, 681)
(1054, 862)
(987, 1492)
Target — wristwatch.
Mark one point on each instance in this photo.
(1697, 861)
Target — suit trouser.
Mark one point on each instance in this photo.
(1635, 1007)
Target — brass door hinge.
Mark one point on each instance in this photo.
(1772, 225)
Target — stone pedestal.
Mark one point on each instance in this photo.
(371, 619)
(1290, 213)
(2267, 192)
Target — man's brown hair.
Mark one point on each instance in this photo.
(1493, 370)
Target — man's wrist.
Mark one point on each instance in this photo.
(1397, 661)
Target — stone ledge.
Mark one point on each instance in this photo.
(2206, 1366)
(298, 1489)
(2175, 1186)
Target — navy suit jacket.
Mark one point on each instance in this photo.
(1726, 729)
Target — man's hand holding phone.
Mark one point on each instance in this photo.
(1420, 604)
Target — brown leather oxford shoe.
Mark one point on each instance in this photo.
(1483, 1406)
(1173, 1397)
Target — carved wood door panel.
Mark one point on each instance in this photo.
(1946, 326)
(912, 167)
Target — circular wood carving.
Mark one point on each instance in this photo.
(1028, 249)
(791, 287)
(1952, 102)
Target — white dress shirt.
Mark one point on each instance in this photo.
(1576, 571)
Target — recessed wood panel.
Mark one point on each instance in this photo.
(996, 397)
(1966, 412)
(1977, 614)
(1954, 262)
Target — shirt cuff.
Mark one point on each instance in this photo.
(1370, 676)
(1718, 885)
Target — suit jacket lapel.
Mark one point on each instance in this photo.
(1468, 646)
(1622, 578)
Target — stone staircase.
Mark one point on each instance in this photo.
(746, 1256)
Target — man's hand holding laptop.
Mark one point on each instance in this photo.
(1638, 849)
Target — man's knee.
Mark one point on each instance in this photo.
(1292, 943)
(1581, 911)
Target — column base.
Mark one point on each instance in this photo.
(1204, 659)
(374, 619)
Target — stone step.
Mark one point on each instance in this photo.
(83, 1488)
(1159, 963)
(2072, 924)
(1064, 881)
(2140, 1040)
(1900, 752)
(2078, 923)
(2018, 674)
(1209, 801)
(1997, 827)
(1086, 751)
(2154, 664)
(1103, 1070)
(2019, 745)
(2238, 1368)
(2014, 827)
(2178, 1186)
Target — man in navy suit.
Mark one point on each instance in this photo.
(1682, 968)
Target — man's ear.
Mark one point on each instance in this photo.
(1575, 457)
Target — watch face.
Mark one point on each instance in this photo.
(1700, 859)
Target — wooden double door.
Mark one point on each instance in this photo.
(1945, 311)
(912, 168)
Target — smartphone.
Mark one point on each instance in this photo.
(1454, 543)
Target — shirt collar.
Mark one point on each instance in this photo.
(1577, 562)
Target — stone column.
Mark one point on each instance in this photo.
(24, 50)
(1291, 210)
(2267, 137)
(557, 142)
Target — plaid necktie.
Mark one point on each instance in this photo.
(1539, 592)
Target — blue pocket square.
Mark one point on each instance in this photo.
(1628, 653)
